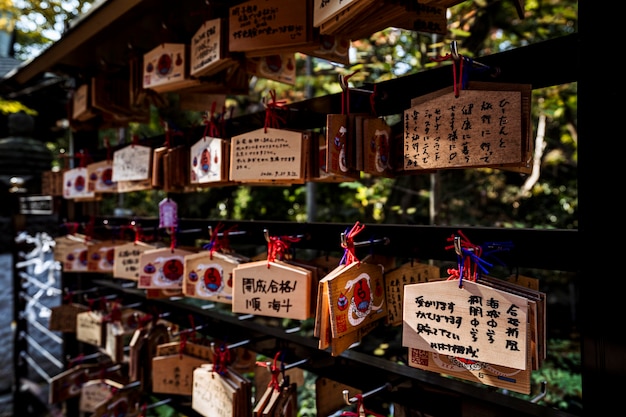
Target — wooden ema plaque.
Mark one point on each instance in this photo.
(475, 322)
(215, 394)
(101, 256)
(397, 279)
(132, 163)
(275, 67)
(356, 297)
(100, 177)
(209, 161)
(361, 18)
(479, 128)
(209, 276)
(162, 269)
(268, 156)
(273, 289)
(71, 252)
(260, 27)
(127, 258)
(209, 49)
(75, 184)
(165, 68)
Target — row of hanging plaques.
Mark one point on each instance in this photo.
(490, 331)
(485, 125)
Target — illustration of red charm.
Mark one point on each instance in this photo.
(173, 269)
(342, 302)
(213, 280)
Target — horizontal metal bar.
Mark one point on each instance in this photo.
(56, 338)
(33, 364)
(41, 350)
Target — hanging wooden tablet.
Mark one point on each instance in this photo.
(95, 392)
(209, 52)
(176, 169)
(340, 146)
(356, 297)
(101, 256)
(71, 251)
(67, 384)
(75, 184)
(213, 394)
(173, 373)
(209, 162)
(275, 67)
(123, 402)
(329, 47)
(100, 177)
(166, 68)
(479, 128)
(475, 322)
(81, 104)
(162, 268)
(52, 183)
(268, 156)
(63, 317)
(127, 258)
(157, 171)
(132, 163)
(377, 147)
(209, 276)
(409, 273)
(259, 27)
(90, 327)
(272, 288)
(318, 171)
(537, 310)
(323, 328)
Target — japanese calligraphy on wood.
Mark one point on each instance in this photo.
(477, 128)
(209, 49)
(274, 289)
(474, 322)
(268, 155)
(132, 163)
(259, 27)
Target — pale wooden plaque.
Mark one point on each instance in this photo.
(474, 322)
(212, 394)
(395, 280)
(274, 289)
(324, 10)
(132, 163)
(89, 328)
(173, 374)
(207, 161)
(100, 177)
(209, 51)
(127, 258)
(267, 155)
(261, 25)
(101, 256)
(75, 184)
(209, 276)
(71, 252)
(477, 128)
(356, 297)
(162, 268)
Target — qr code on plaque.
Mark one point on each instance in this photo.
(419, 357)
